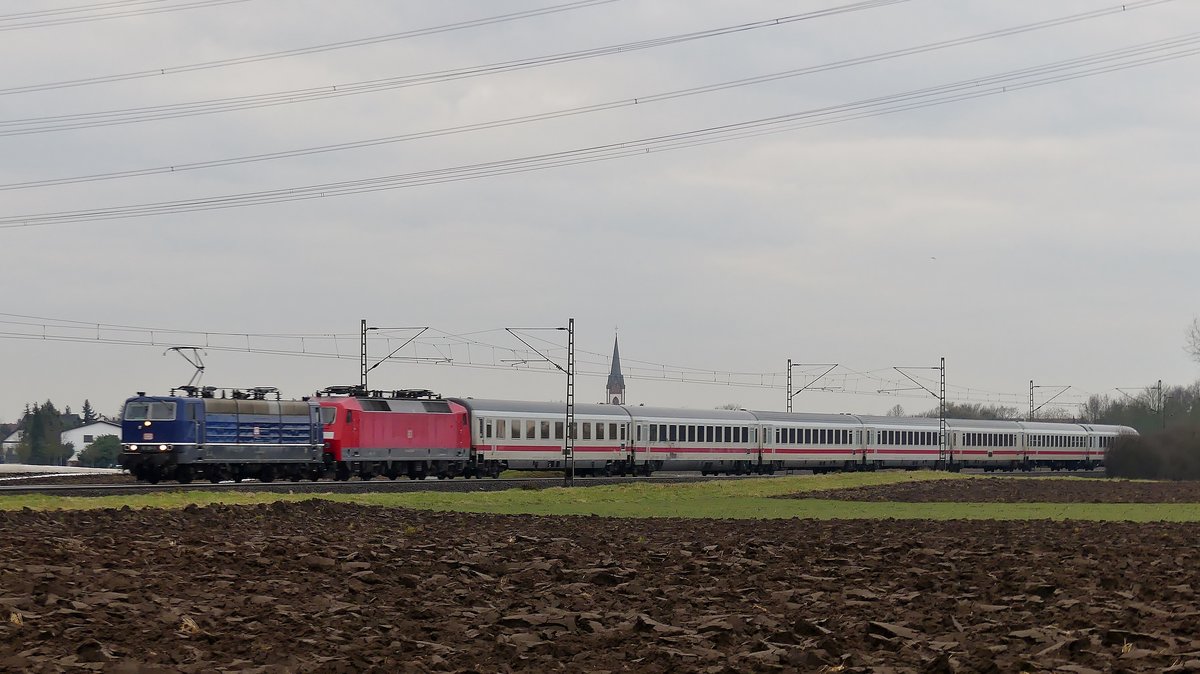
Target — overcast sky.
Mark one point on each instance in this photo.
(1041, 233)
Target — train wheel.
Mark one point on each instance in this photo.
(267, 474)
(314, 474)
(184, 474)
(214, 475)
(153, 475)
(342, 473)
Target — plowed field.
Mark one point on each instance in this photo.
(1018, 490)
(325, 587)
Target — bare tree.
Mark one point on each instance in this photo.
(1193, 340)
(896, 411)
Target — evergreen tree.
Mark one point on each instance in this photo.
(42, 440)
(89, 414)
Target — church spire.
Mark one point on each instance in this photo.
(616, 381)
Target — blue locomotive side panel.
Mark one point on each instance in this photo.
(261, 431)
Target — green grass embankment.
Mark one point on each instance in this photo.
(737, 499)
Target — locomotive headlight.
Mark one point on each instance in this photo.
(145, 423)
(132, 448)
(163, 448)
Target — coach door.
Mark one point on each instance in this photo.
(640, 447)
(766, 451)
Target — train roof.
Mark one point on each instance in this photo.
(518, 407)
(807, 417)
(1051, 427)
(1004, 425)
(643, 412)
(1110, 428)
(918, 422)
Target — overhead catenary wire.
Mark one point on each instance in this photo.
(99, 12)
(1060, 71)
(255, 58)
(579, 110)
(45, 124)
(327, 345)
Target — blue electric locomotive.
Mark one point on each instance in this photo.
(239, 435)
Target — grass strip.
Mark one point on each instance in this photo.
(733, 499)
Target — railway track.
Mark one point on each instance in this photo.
(403, 485)
(353, 486)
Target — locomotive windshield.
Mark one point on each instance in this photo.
(150, 411)
(328, 414)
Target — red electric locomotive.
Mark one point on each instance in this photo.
(409, 432)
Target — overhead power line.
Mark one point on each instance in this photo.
(46, 124)
(1060, 71)
(512, 65)
(579, 110)
(99, 12)
(461, 350)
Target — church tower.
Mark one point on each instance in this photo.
(615, 393)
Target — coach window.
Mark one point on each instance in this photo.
(689, 433)
(515, 426)
(501, 428)
(623, 432)
(671, 433)
(587, 430)
(558, 430)
(481, 428)
(531, 429)
(612, 432)
(600, 431)
(545, 430)
(653, 432)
